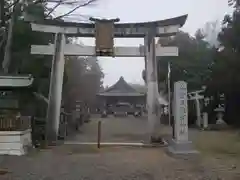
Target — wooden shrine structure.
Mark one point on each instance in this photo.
(15, 128)
(121, 91)
(104, 31)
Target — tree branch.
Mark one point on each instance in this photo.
(66, 2)
(13, 4)
(52, 9)
(77, 7)
(41, 97)
(3, 39)
(76, 3)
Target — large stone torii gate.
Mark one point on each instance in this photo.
(146, 30)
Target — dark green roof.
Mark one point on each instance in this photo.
(120, 88)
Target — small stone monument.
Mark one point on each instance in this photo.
(220, 111)
(205, 114)
(180, 143)
(205, 120)
(220, 123)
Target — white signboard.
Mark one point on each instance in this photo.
(181, 111)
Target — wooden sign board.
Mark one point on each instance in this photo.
(104, 38)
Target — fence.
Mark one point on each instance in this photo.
(38, 125)
(39, 128)
(65, 118)
(8, 123)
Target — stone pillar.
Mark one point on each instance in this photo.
(205, 120)
(180, 143)
(198, 111)
(152, 85)
(55, 91)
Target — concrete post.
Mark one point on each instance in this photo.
(152, 86)
(55, 92)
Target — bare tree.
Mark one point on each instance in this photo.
(51, 6)
(211, 31)
(19, 6)
(234, 3)
(72, 5)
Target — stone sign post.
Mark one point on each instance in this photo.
(180, 143)
(181, 111)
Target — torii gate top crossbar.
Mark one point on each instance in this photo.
(167, 27)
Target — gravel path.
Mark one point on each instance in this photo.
(88, 163)
(129, 129)
(82, 162)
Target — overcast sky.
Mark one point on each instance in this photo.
(199, 12)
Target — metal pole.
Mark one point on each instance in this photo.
(99, 135)
(169, 95)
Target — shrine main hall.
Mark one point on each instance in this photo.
(121, 91)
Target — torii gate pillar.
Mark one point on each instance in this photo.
(55, 91)
(152, 84)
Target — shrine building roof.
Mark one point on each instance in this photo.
(120, 88)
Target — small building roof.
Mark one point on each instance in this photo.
(120, 88)
(15, 81)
